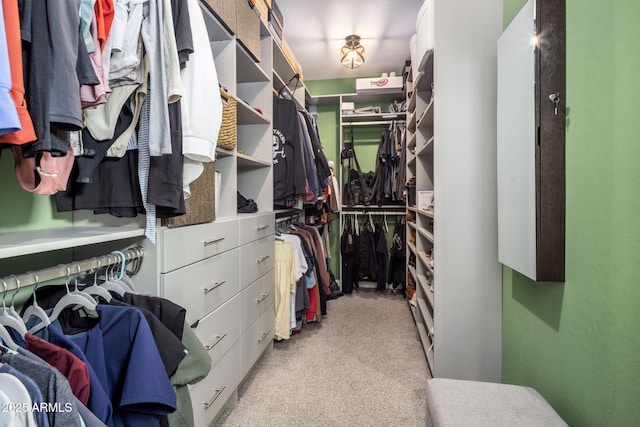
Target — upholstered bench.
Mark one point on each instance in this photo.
(458, 403)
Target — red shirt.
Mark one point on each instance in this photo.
(74, 369)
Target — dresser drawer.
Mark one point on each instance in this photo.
(256, 258)
(204, 286)
(256, 299)
(186, 245)
(256, 340)
(209, 395)
(219, 331)
(256, 227)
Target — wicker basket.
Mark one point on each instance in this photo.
(227, 138)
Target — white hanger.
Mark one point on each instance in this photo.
(71, 298)
(373, 227)
(96, 290)
(12, 309)
(7, 318)
(7, 340)
(386, 226)
(34, 309)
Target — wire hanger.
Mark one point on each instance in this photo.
(281, 92)
(35, 309)
(8, 319)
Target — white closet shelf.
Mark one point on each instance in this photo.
(425, 261)
(348, 119)
(412, 248)
(426, 314)
(425, 76)
(426, 289)
(426, 341)
(245, 161)
(413, 272)
(221, 152)
(19, 243)
(281, 64)
(427, 213)
(411, 122)
(426, 120)
(247, 115)
(426, 234)
(412, 225)
(216, 31)
(248, 70)
(427, 148)
(412, 308)
(411, 106)
(411, 161)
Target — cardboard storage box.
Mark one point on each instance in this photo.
(225, 10)
(248, 28)
(240, 18)
(263, 10)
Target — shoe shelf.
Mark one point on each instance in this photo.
(426, 234)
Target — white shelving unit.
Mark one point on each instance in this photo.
(456, 274)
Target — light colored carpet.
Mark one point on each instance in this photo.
(361, 366)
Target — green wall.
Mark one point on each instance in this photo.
(578, 342)
(27, 211)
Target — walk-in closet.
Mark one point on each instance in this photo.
(338, 213)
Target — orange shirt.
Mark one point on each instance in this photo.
(105, 11)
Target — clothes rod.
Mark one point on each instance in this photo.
(372, 123)
(287, 218)
(70, 268)
(366, 213)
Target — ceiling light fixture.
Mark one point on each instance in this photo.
(352, 52)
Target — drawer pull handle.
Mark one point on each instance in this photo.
(215, 343)
(215, 285)
(264, 227)
(263, 259)
(262, 298)
(211, 242)
(264, 335)
(208, 404)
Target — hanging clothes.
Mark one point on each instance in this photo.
(350, 253)
(381, 253)
(367, 269)
(289, 179)
(397, 256)
(285, 287)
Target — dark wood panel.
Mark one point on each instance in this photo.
(550, 147)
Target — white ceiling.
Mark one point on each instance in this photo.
(315, 31)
